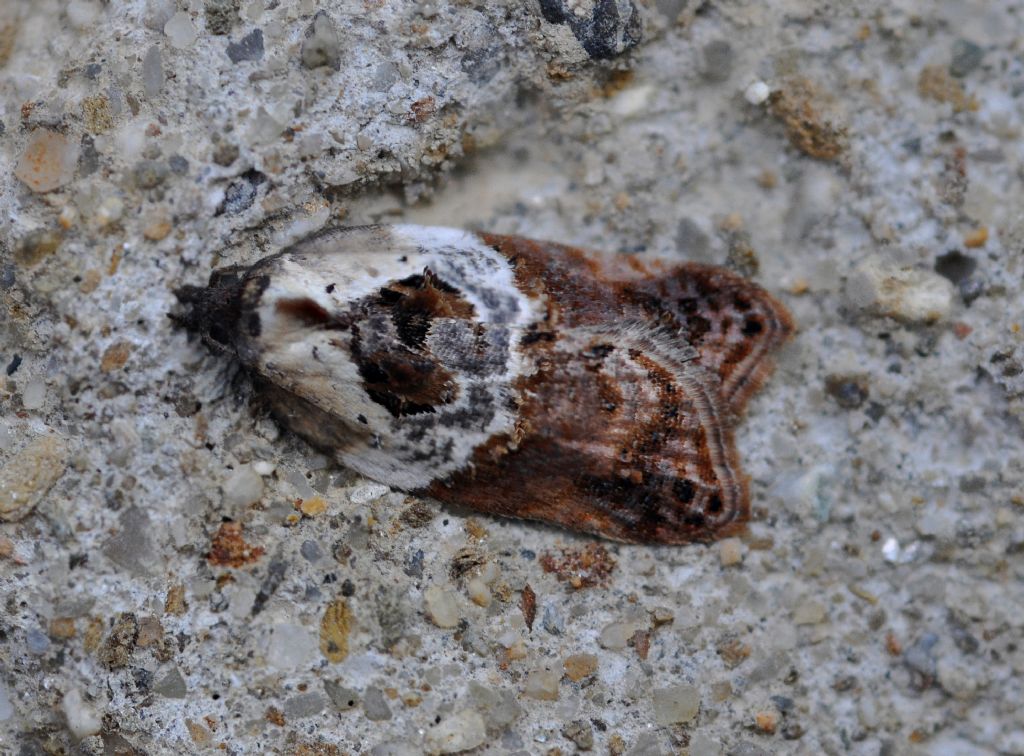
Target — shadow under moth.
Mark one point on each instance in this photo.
(593, 391)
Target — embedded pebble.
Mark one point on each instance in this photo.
(457, 732)
(82, 717)
(343, 698)
(248, 48)
(171, 685)
(675, 705)
(441, 606)
(701, 744)
(542, 684)
(718, 60)
(304, 705)
(291, 646)
(552, 620)
(37, 642)
(757, 93)
(616, 635)
(580, 666)
(730, 551)
(158, 228)
(243, 487)
(152, 72)
(321, 47)
(809, 612)
(375, 707)
(367, 493)
(263, 467)
(180, 31)
(335, 627)
(48, 161)
(149, 174)
(909, 295)
(26, 477)
(311, 551)
(33, 396)
(966, 57)
(478, 592)
(581, 733)
(499, 708)
(131, 547)
(605, 30)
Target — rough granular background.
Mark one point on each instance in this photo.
(177, 575)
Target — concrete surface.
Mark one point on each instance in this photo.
(179, 576)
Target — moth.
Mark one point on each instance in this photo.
(597, 392)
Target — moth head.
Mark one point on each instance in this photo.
(213, 311)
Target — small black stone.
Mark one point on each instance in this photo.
(605, 33)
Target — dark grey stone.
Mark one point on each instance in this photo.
(248, 48)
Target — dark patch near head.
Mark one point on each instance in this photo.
(216, 310)
(304, 309)
(714, 504)
(329, 288)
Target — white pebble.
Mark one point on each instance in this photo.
(83, 719)
(677, 704)
(243, 487)
(366, 494)
(459, 732)
(757, 93)
(109, 211)
(33, 395)
(907, 294)
(441, 606)
(180, 31)
(291, 647)
(542, 684)
(730, 551)
(263, 467)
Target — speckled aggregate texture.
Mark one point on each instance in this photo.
(177, 575)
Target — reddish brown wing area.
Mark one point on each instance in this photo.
(734, 324)
(626, 427)
(620, 435)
